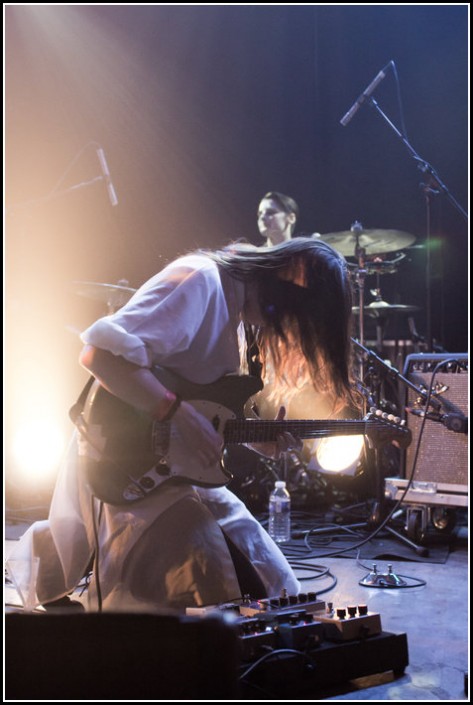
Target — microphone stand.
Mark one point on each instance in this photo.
(394, 373)
(53, 195)
(434, 186)
(423, 165)
(377, 514)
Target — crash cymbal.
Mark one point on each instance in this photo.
(379, 309)
(374, 242)
(114, 295)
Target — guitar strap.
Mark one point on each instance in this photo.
(76, 410)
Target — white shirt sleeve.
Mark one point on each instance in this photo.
(162, 318)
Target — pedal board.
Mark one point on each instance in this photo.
(291, 645)
(307, 675)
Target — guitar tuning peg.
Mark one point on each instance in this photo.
(397, 419)
(391, 417)
(385, 415)
(403, 422)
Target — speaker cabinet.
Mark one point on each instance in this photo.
(443, 451)
(125, 657)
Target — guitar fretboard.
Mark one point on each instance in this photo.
(258, 431)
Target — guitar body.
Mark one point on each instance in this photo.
(125, 455)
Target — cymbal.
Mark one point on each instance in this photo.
(374, 242)
(379, 309)
(114, 295)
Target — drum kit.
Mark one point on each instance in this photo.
(376, 252)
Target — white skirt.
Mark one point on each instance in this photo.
(165, 552)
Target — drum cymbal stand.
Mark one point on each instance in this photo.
(360, 276)
(380, 319)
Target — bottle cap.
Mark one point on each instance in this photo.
(280, 483)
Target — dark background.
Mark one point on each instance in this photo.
(201, 110)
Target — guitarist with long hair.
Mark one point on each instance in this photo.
(153, 510)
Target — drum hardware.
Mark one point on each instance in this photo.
(356, 231)
(381, 309)
(355, 243)
(374, 372)
(373, 242)
(378, 265)
(113, 295)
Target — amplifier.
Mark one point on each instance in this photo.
(443, 446)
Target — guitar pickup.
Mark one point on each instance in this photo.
(160, 436)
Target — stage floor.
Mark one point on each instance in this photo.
(430, 608)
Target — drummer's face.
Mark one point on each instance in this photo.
(274, 223)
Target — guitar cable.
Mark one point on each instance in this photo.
(97, 550)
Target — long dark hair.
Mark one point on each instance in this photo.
(305, 298)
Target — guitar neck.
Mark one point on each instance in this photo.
(258, 431)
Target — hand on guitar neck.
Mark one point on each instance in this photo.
(285, 442)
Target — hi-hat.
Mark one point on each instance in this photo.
(378, 309)
(114, 295)
(374, 242)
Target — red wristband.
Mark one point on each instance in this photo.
(167, 407)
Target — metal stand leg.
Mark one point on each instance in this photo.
(378, 513)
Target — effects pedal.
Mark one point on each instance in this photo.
(255, 638)
(295, 630)
(282, 606)
(350, 623)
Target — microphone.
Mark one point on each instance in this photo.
(454, 422)
(106, 177)
(366, 94)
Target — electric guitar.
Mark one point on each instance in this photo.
(125, 455)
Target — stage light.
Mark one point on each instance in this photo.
(337, 455)
(37, 449)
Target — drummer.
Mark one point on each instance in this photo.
(277, 217)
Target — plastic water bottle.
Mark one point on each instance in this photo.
(280, 513)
